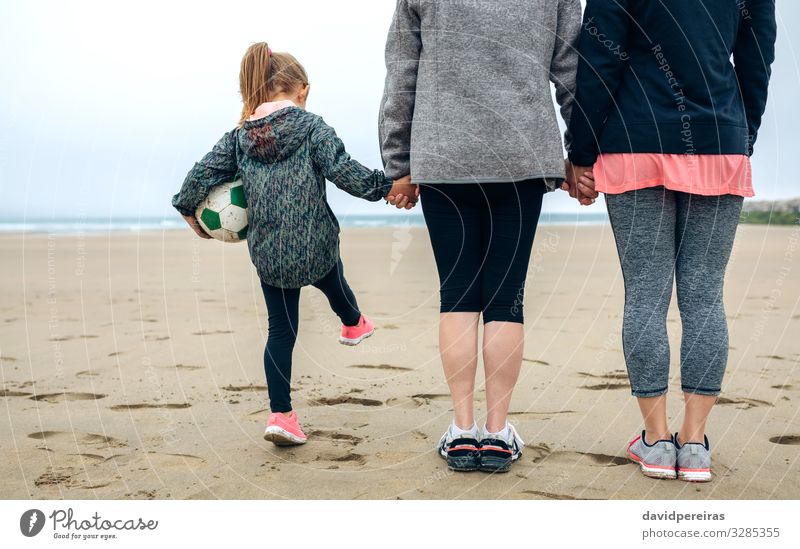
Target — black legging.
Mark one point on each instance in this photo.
(282, 307)
(482, 235)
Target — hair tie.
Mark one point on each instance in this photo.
(269, 52)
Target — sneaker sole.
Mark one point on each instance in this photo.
(353, 342)
(282, 437)
(460, 464)
(653, 471)
(465, 464)
(495, 465)
(702, 475)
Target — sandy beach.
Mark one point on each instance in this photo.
(132, 368)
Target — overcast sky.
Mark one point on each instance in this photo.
(104, 106)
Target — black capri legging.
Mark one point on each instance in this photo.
(482, 235)
(282, 308)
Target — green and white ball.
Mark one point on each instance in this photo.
(223, 214)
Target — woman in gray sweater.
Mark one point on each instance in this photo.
(467, 115)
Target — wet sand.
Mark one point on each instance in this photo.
(132, 368)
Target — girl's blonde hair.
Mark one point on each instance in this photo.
(265, 73)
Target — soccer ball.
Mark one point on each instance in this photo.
(223, 214)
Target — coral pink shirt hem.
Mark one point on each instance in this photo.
(703, 174)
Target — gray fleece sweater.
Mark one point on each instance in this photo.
(467, 96)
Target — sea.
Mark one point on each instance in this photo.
(88, 225)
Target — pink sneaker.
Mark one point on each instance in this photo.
(283, 430)
(353, 335)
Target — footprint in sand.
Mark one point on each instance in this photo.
(349, 457)
(240, 388)
(613, 380)
(174, 458)
(336, 437)
(397, 402)
(416, 401)
(606, 386)
(143, 494)
(539, 451)
(543, 415)
(604, 459)
(536, 361)
(60, 477)
(92, 457)
(743, 403)
(127, 407)
(53, 437)
(551, 495)
(790, 440)
(616, 374)
(95, 486)
(10, 393)
(69, 338)
(388, 367)
(54, 398)
(188, 367)
(542, 452)
(333, 401)
(431, 396)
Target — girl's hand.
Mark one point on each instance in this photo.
(192, 221)
(403, 193)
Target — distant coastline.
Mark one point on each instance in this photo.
(771, 212)
(88, 225)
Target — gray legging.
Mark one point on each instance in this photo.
(661, 235)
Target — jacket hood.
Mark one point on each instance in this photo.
(276, 136)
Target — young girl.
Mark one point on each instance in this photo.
(669, 123)
(283, 154)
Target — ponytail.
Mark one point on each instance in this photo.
(264, 74)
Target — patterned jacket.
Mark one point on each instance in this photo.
(283, 160)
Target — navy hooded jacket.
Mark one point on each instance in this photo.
(671, 76)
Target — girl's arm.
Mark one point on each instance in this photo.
(600, 70)
(331, 158)
(218, 166)
(403, 46)
(564, 64)
(752, 56)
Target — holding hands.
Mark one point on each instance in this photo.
(403, 194)
(579, 183)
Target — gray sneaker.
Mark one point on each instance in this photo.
(694, 461)
(656, 460)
